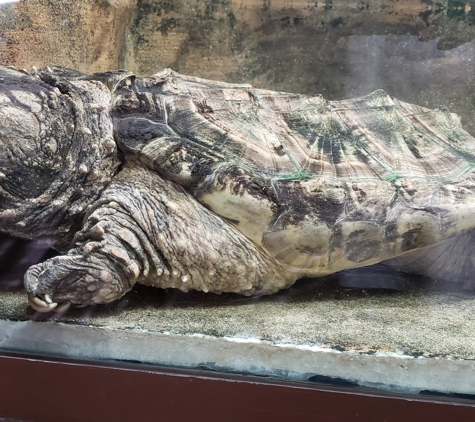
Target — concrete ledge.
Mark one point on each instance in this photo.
(391, 371)
(410, 341)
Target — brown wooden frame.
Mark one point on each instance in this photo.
(52, 389)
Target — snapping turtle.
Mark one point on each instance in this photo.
(176, 181)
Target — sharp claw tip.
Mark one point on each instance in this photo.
(40, 305)
(63, 307)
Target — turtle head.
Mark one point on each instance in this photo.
(57, 151)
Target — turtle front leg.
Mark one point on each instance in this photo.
(74, 278)
(149, 230)
(112, 253)
(82, 277)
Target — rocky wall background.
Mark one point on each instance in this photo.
(421, 51)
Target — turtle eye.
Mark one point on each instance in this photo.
(19, 131)
(49, 146)
(5, 202)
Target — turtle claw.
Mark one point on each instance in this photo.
(63, 307)
(40, 305)
(47, 305)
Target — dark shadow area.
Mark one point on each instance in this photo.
(333, 381)
(341, 382)
(447, 395)
(16, 256)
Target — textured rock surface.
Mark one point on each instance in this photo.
(428, 321)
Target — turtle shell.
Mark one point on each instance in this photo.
(187, 122)
(320, 185)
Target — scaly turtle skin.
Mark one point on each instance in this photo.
(176, 181)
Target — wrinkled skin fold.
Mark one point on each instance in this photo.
(147, 230)
(175, 181)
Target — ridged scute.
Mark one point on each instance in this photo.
(188, 124)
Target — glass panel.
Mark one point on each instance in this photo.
(326, 143)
